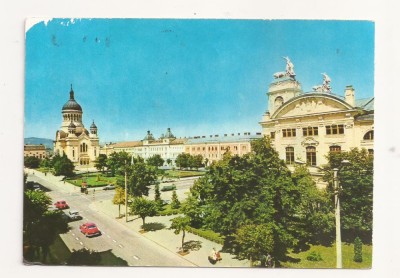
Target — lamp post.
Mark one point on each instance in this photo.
(126, 195)
(337, 214)
(126, 191)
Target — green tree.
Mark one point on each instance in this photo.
(144, 208)
(175, 204)
(31, 162)
(254, 189)
(157, 194)
(155, 160)
(314, 217)
(63, 166)
(46, 163)
(101, 162)
(41, 227)
(358, 250)
(254, 241)
(169, 161)
(84, 257)
(182, 160)
(117, 162)
(119, 198)
(180, 223)
(196, 161)
(140, 177)
(356, 192)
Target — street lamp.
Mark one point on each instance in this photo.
(126, 191)
(337, 213)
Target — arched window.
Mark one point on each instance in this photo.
(311, 156)
(369, 135)
(289, 155)
(278, 101)
(335, 149)
(83, 148)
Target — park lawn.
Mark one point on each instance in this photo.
(183, 174)
(93, 180)
(328, 255)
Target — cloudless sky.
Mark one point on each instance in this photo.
(198, 77)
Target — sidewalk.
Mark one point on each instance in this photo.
(164, 237)
(169, 240)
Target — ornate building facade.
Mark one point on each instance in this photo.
(73, 139)
(305, 126)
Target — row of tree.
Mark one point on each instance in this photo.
(185, 160)
(41, 226)
(59, 165)
(261, 208)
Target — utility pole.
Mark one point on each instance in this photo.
(126, 195)
(337, 219)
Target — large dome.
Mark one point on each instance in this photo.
(71, 104)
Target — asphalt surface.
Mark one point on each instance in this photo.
(124, 243)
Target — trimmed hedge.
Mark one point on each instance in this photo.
(207, 234)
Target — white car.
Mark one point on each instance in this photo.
(73, 215)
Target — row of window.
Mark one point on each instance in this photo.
(313, 131)
(216, 148)
(311, 154)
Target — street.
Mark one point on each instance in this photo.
(124, 243)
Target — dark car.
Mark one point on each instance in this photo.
(168, 187)
(89, 229)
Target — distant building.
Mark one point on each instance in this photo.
(306, 126)
(38, 151)
(213, 148)
(73, 139)
(167, 146)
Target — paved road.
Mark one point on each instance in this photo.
(124, 243)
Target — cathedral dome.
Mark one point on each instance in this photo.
(93, 125)
(71, 104)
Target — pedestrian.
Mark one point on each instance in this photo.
(212, 258)
(270, 262)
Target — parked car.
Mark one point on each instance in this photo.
(61, 204)
(109, 187)
(73, 215)
(89, 229)
(168, 187)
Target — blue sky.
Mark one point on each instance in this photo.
(198, 77)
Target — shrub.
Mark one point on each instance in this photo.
(358, 250)
(207, 234)
(314, 257)
(175, 204)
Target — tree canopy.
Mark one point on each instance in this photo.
(63, 166)
(155, 160)
(356, 192)
(101, 162)
(255, 189)
(144, 208)
(31, 162)
(41, 226)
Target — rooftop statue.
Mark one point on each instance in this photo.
(289, 70)
(325, 87)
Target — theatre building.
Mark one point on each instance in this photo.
(306, 126)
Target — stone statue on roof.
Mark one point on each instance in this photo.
(325, 87)
(289, 70)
